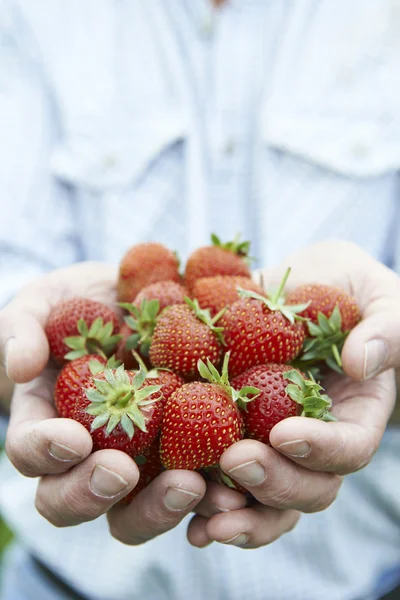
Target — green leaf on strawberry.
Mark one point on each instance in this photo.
(142, 321)
(117, 400)
(276, 301)
(97, 339)
(307, 393)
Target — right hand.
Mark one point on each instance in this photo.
(75, 484)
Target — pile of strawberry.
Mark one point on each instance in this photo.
(197, 361)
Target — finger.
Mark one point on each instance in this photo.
(251, 527)
(158, 508)
(197, 532)
(88, 490)
(276, 481)
(24, 349)
(37, 442)
(219, 498)
(347, 445)
(374, 345)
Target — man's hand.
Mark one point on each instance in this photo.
(303, 469)
(75, 485)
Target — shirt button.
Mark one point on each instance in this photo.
(110, 161)
(360, 149)
(229, 147)
(207, 27)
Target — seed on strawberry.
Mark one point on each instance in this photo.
(332, 313)
(150, 467)
(166, 292)
(121, 409)
(215, 293)
(80, 326)
(201, 420)
(218, 259)
(184, 334)
(144, 264)
(259, 330)
(284, 393)
(73, 376)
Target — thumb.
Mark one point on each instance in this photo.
(24, 349)
(374, 345)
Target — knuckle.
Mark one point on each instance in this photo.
(324, 500)
(48, 511)
(24, 462)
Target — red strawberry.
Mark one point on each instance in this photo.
(149, 464)
(144, 264)
(169, 381)
(121, 409)
(72, 377)
(83, 326)
(218, 259)
(258, 330)
(184, 333)
(215, 293)
(283, 393)
(200, 421)
(332, 313)
(166, 292)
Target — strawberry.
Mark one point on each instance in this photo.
(144, 264)
(258, 330)
(201, 420)
(149, 464)
(184, 333)
(121, 409)
(215, 293)
(332, 313)
(169, 381)
(73, 376)
(81, 326)
(166, 292)
(218, 259)
(284, 393)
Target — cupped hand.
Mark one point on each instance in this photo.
(302, 470)
(76, 485)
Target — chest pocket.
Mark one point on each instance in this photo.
(126, 177)
(332, 128)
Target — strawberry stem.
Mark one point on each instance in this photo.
(278, 294)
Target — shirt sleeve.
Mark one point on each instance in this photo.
(38, 229)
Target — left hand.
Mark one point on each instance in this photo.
(302, 470)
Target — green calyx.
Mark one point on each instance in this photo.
(98, 339)
(142, 321)
(326, 341)
(203, 314)
(276, 301)
(211, 374)
(235, 246)
(96, 367)
(117, 400)
(307, 393)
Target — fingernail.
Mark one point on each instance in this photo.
(176, 499)
(105, 483)
(375, 355)
(296, 448)
(238, 540)
(251, 473)
(62, 453)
